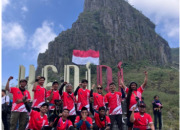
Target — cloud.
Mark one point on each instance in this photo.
(61, 27)
(13, 35)
(24, 9)
(164, 13)
(42, 36)
(4, 4)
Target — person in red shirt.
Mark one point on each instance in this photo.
(68, 100)
(99, 98)
(83, 122)
(62, 123)
(53, 97)
(141, 119)
(39, 93)
(18, 111)
(134, 95)
(102, 122)
(37, 120)
(113, 102)
(83, 96)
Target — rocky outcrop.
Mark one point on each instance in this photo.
(116, 29)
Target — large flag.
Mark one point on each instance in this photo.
(83, 57)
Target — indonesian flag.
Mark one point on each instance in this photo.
(83, 57)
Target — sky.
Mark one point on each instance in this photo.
(29, 25)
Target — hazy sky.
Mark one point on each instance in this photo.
(28, 26)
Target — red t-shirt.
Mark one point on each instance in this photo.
(83, 126)
(114, 103)
(36, 122)
(142, 122)
(83, 99)
(99, 101)
(17, 94)
(55, 96)
(39, 97)
(133, 101)
(68, 102)
(100, 123)
(63, 125)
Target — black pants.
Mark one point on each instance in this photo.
(36, 109)
(95, 127)
(72, 118)
(157, 114)
(118, 119)
(4, 119)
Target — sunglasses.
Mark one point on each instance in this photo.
(99, 88)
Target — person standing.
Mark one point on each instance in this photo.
(68, 100)
(99, 98)
(5, 100)
(133, 97)
(83, 96)
(39, 93)
(157, 106)
(53, 96)
(18, 111)
(113, 103)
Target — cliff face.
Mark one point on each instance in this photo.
(116, 29)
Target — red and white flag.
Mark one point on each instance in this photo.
(83, 57)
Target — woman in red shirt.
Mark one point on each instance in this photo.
(134, 95)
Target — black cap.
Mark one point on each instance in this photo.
(45, 104)
(55, 82)
(142, 104)
(23, 80)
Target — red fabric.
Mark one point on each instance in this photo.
(17, 94)
(89, 53)
(133, 101)
(142, 122)
(99, 101)
(62, 125)
(68, 102)
(39, 97)
(83, 99)
(55, 96)
(83, 126)
(36, 122)
(100, 123)
(114, 103)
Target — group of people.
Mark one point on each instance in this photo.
(67, 110)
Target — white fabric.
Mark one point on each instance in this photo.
(3, 99)
(85, 60)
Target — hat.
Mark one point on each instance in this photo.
(142, 104)
(55, 82)
(45, 104)
(23, 80)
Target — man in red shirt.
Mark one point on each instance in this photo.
(141, 119)
(113, 103)
(83, 96)
(68, 100)
(102, 122)
(18, 111)
(62, 123)
(39, 93)
(37, 120)
(53, 97)
(83, 122)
